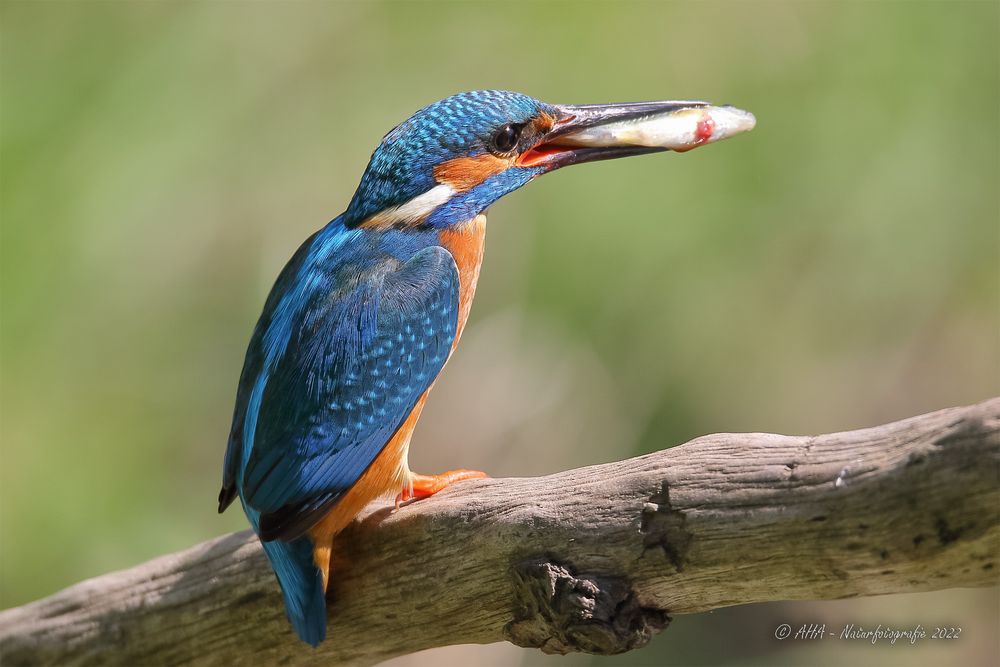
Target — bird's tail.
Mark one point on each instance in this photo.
(302, 586)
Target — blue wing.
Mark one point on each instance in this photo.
(253, 365)
(361, 350)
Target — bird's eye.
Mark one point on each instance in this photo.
(505, 139)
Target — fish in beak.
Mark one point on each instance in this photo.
(592, 132)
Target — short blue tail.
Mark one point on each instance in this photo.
(302, 585)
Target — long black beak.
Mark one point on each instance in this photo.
(586, 133)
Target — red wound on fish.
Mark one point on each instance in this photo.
(706, 126)
(703, 132)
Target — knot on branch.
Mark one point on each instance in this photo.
(559, 611)
(665, 528)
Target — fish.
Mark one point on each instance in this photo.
(689, 125)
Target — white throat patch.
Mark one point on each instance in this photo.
(413, 211)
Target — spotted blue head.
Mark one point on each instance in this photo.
(452, 159)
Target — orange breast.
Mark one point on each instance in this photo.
(466, 244)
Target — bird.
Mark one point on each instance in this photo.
(366, 313)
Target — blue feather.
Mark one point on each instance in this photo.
(301, 586)
(326, 383)
(399, 321)
(301, 583)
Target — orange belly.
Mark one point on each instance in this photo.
(389, 472)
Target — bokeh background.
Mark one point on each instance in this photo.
(836, 268)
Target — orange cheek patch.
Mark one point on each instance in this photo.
(465, 173)
(543, 123)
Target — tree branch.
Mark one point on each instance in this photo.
(591, 559)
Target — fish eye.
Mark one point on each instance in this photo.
(505, 139)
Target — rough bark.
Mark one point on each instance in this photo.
(593, 559)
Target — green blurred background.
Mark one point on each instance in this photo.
(836, 268)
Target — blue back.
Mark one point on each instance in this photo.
(363, 324)
(356, 328)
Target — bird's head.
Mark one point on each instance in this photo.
(452, 159)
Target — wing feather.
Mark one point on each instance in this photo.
(353, 369)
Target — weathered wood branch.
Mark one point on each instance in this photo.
(592, 559)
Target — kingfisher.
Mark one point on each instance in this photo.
(364, 316)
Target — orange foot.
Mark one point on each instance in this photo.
(425, 486)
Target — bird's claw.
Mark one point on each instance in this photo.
(425, 486)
